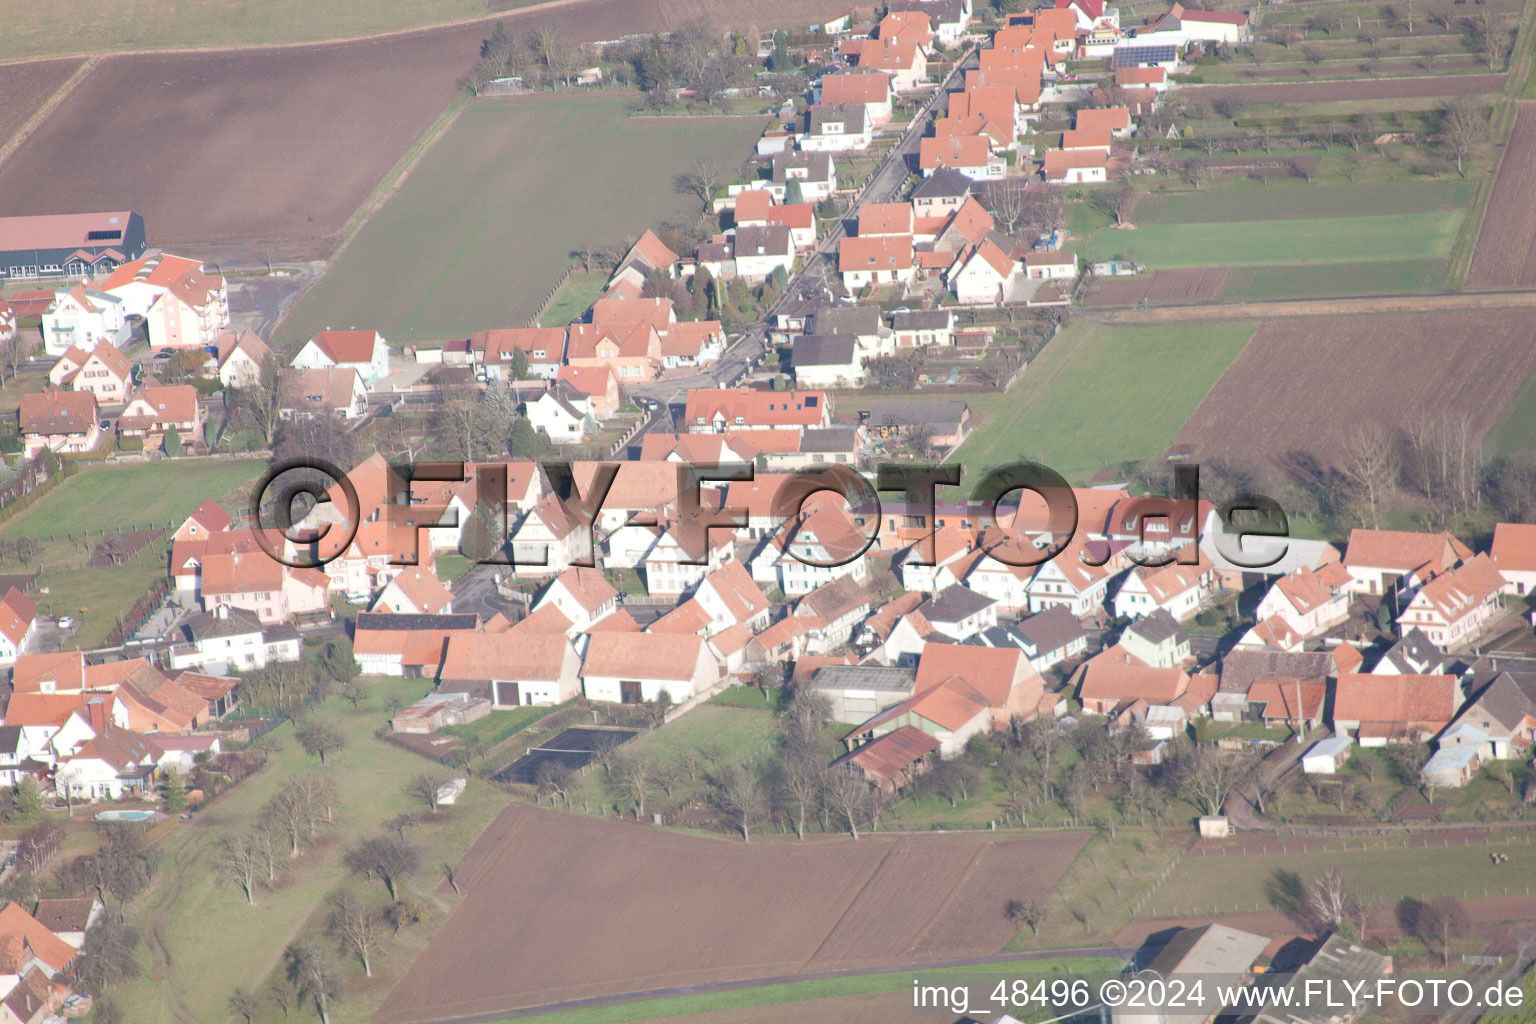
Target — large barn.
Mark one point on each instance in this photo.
(69, 244)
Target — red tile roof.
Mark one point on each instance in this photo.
(346, 346)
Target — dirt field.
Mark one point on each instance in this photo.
(25, 87)
(1193, 284)
(277, 147)
(563, 907)
(1506, 249)
(1302, 386)
(1354, 89)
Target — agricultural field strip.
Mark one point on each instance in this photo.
(1371, 238)
(1505, 254)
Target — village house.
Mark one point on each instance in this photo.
(18, 625)
(1176, 589)
(240, 358)
(512, 669)
(904, 60)
(363, 351)
(836, 129)
(415, 591)
(61, 421)
(183, 306)
(1115, 120)
(157, 409)
(83, 318)
(327, 391)
(971, 155)
(105, 372)
(1050, 265)
(634, 668)
(1499, 721)
(497, 352)
(815, 172)
(1309, 600)
(1377, 709)
(759, 250)
(1114, 678)
(827, 361)
(1288, 702)
(729, 597)
(869, 89)
(983, 274)
(720, 410)
(820, 545)
(1378, 560)
(941, 193)
(562, 414)
(1514, 555)
(1157, 640)
(1075, 166)
(411, 646)
(829, 613)
(1070, 581)
(1454, 607)
(1414, 654)
(632, 351)
(756, 208)
(584, 596)
(885, 259)
(231, 639)
(923, 327)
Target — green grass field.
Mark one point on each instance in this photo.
(819, 988)
(215, 942)
(1099, 395)
(574, 298)
(37, 28)
(1516, 425)
(150, 493)
(1245, 201)
(1330, 279)
(485, 225)
(1248, 243)
(1385, 866)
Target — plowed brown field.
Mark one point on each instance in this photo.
(25, 87)
(1161, 287)
(1506, 247)
(560, 907)
(275, 148)
(1303, 386)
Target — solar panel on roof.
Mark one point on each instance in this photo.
(1131, 56)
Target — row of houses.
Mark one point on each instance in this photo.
(182, 305)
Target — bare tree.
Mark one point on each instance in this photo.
(848, 796)
(240, 860)
(1489, 36)
(358, 927)
(1370, 463)
(389, 857)
(1116, 200)
(1462, 128)
(1207, 776)
(1326, 898)
(632, 772)
(15, 349)
(310, 972)
(798, 786)
(424, 787)
(1441, 920)
(741, 795)
(700, 181)
(320, 739)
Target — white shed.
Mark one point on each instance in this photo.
(1326, 757)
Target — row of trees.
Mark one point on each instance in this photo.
(1332, 901)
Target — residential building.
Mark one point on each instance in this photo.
(1309, 600)
(325, 391)
(18, 625)
(231, 639)
(240, 358)
(105, 372)
(1377, 709)
(512, 669)
(632, 668)
(82, 317)
(364, 351)
(61, 421)
(869, 89)
(1378, 560)
(1454, 607)
(1514, 554)
(881, 260)
(837, 129)
(156, 410)
(183, 306)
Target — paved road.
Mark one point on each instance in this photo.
(747, 351)
(730, 986)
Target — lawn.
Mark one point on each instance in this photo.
(1516, 425)
(485, 225)
(145, 494)
(1095, 897)
(1360, 239)
(36, 28)
(499, 724)
(1098, 396)
(213, 942)
(820, 988)
(1237, 883)
(1323, 280)
(711, 736)
(575, 298)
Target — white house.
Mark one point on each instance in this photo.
(886, 259)
(230, 639)
(18, 625)
(983, 274)
(839, 129)
(83, 317)
(1514, 553)
(1050, 266)
(1309, 600)
(1378, 560)
(759, 250)
(364, 351)
(1070, 581)
(632, 668)
(563, 414)
(1173, 588)
(1455, 606)
(112, 764)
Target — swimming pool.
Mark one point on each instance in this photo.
(127, 815)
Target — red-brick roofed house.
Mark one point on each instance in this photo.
(364, 351)
(1379, 559)
(1309, 600)
(1454, 607)
(1514, 554)
(1403, 708)
(158, 409)
(511, 669)
(61, 421)
(632, 668)
(1113, 678)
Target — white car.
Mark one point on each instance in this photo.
(67, 622)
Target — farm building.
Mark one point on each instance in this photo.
(1452, 767)
(69, 245)
(1327, 756)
